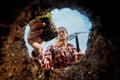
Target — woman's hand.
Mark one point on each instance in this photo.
(36, 29)
(80, 55)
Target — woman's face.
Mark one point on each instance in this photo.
(62, 34)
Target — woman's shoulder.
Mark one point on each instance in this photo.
(70, 44)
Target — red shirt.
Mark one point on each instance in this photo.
(57, 57)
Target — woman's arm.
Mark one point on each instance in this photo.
(48, 60)
(34, 35)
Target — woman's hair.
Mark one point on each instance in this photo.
(64, 29)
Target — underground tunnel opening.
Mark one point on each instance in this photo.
(74, 21)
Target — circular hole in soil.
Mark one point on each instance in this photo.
(74, 21)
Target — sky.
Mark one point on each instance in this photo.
(73, 21)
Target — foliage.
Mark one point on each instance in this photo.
(47, 15)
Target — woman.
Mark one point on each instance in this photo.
(59, 55)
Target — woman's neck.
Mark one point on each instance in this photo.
(62, 43)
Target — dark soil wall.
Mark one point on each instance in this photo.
(101, 60)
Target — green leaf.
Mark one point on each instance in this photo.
(47, 15)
